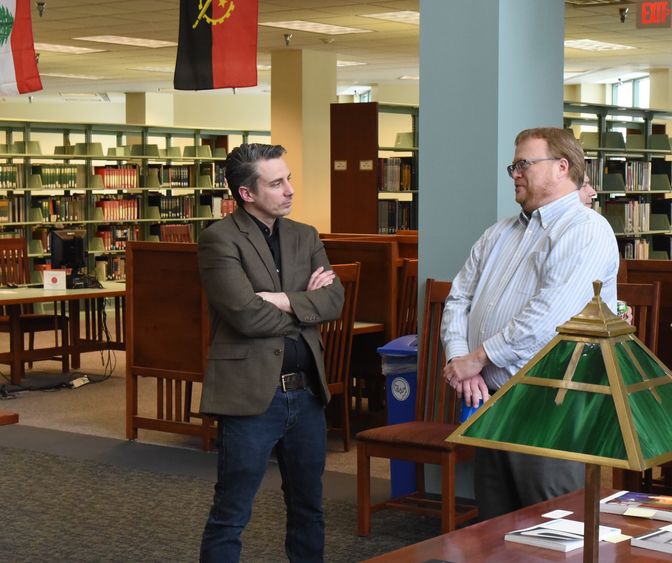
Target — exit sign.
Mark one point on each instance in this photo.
(655, 13)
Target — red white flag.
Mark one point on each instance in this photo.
(18, 68)
(217, 45)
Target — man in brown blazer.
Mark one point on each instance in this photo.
(269, 286)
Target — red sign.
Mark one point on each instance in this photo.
(655, 13)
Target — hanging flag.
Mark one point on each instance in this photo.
(18, 68)
(217, 46)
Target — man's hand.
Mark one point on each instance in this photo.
(463, 368)
(320, 278)
(473, 390)
(279, 299)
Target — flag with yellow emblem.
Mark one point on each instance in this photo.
(217, 45)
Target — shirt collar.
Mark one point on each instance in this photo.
(263, 227)
(547, 214)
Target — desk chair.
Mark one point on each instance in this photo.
(15, 270)
(177, 232)
(337, 340)
(423, 440)
(644, 298)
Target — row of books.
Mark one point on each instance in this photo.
(12, 176)
(61, 208)
(115, 237)
(628, 215)
(173, 206)
(111, 268)
(395, 174)
(635, 249)
(125, 208)
(638, 175)
(119, 177)
(12, 210)
(394, 215)
(567, 535)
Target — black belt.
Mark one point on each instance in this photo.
(293, 381)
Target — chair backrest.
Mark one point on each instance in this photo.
(435, 401)
(179, 232)
(377, 295)
(644, 298)
(337, 334)
(14, 268)
(407, 302)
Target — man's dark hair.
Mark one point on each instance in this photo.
(241, 166)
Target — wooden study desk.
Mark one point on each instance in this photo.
(13, 298)
(485, 541)
(366, 327)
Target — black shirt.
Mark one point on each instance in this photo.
(297, 356)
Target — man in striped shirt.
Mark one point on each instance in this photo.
(525, 276)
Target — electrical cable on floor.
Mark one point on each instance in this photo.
(108, 358)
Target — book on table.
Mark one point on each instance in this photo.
(642, 505)
(559, 534)
(660, 540)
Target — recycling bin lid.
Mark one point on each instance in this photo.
(402, 346)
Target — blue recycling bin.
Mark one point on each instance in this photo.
(400, 367)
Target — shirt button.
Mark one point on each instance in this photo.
(277, 351)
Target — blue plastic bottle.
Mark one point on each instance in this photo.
(466, 412)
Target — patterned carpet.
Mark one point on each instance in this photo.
(60, 509)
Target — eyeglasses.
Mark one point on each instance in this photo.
(522, 165)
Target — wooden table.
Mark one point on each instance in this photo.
(485, 541)
(13, 298)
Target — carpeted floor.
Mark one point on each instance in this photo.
(57, 508)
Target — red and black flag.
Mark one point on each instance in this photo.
(217, 46)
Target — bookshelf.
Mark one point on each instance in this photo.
(374, 163)
(631, 174)
(119, 182)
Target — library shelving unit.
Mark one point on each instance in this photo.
(116, 182)
(630, 173)
(374, 164)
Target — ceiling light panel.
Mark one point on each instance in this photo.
(315, 27)
(73, 76)
(409, 17)
(66, 49)
(348, 63)
(130, 41)
(590, 45)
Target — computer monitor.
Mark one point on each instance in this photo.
(68, 249)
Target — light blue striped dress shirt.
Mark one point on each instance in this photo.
(523, 278)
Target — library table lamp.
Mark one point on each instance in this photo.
(594, 394)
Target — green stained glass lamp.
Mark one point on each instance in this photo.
(594, 394)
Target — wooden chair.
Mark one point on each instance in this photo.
(423, 440)
(644, 298)
(175, 232)
(15, 271)
(407, 301)
(167, 337)
(337, 339)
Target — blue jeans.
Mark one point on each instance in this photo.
(295, 425)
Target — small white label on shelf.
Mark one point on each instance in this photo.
(366, 164)
(340, 164)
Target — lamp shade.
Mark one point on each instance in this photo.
(595, 394)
